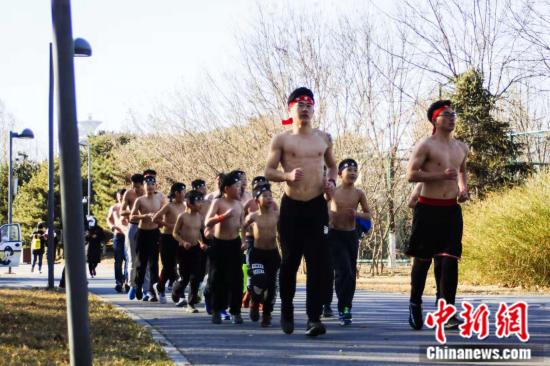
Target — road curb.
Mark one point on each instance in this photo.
(171, 350)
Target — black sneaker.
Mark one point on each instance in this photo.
(139, 293)
(118, 288)
(237, 319)
(254, 311)
(415, 316)
(453, 323)
(216, 317)
(266, 320)
(126, 288)
(327, 311)
(153, 298)
(287, 324)
(181, 303)
(315, 329)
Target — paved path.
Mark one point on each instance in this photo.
(380, 334)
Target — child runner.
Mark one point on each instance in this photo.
(264, 258)
(343, 238)
(225, 275)
(167, 244)
(187, 232)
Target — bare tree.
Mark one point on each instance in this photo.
(454, 36)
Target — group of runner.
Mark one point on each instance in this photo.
(202, 235)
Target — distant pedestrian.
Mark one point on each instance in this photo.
(94, 238)
(38, 244)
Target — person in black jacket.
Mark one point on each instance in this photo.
(94, 238)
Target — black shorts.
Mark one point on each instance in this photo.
(436, 230)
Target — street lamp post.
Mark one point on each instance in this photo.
(85, 129)
(71, 190)
(81, 49)
(25, 134)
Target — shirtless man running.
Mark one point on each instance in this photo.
(148, 234)
(439, 162)
(128, 200)
(303, 224)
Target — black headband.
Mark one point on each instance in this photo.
(346, 164)
(258, 190)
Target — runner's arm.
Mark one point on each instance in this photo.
(413, 199)
(125, 209)
(272, 172)
(177, 227)
(366, 214)
(159, 216)
(211, 217)
(134, 215)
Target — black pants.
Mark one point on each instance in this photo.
(37, 255)
(168, 248)
(225, 276)
(344, 246)
(147, 250)
(262, 271)
(189, 267)
(303, 231)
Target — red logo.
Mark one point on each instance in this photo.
(475, 321)
(439, 318)
(512, 320)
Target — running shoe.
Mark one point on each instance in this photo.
(225, 315)
(182, 303)
(453, 323)
(345, 317)
(216, 318)
(315, 329)
(415, 316)
(287, 324)
(132, 293)
(161, 296)
(327, 311)
(266, 320)
(192, 309)
(146, 296)
(237, 319)
(254, 311)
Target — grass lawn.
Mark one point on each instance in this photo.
(34, 332)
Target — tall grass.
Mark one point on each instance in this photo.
(507, 236)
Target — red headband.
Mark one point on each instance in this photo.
(435, 114)
(302, 98)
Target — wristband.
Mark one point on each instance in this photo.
(220, 218)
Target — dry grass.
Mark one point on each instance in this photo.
(34, 332)
(507, 237)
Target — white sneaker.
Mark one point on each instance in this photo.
(160, 295)
(192, 309)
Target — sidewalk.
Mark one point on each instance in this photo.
(380, 333)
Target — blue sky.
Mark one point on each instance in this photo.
(142, 51)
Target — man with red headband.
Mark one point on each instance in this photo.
(439, 162)
(303, 224)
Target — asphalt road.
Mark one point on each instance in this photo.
(380, 334)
